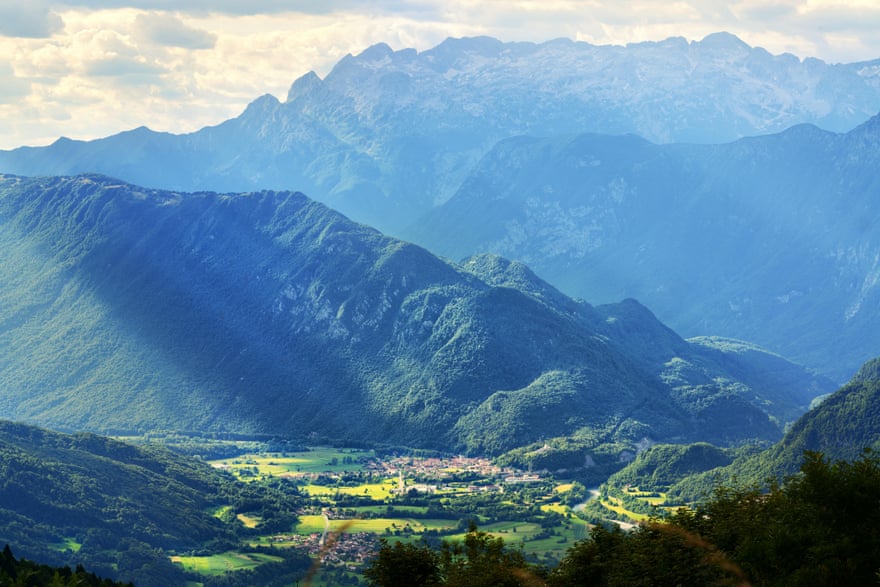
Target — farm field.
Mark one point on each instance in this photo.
(375, 491)
(220, 564)
(315, 524)
(316, 460)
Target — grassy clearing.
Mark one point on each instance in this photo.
(222, 511)
(315, 525)
(316, 460)
(66, 544)
(219, 564)
(378, 491)
(555, 507)
(310, 525)
(381, 509)
(249, 521)
(655, 498)
(512, 532)
(615, 505)
(526, 535)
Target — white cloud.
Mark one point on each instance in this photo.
(12, 87)
(169, 30)
(122, 66)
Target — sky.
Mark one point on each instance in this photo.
(90, 68)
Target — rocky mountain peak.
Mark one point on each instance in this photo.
(303, 85)
(723, 42)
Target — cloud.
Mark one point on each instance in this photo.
(251, 7)
(168, 30)
(120, 65)
(28, 19)
(12, 88)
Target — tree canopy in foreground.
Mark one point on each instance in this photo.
(820, 527)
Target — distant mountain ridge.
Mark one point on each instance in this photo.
(771, 239)
(387, 135)
(126, 308)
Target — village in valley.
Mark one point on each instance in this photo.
(353, 498)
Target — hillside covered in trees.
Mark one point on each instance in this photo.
(120, 509)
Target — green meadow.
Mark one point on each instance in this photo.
(377, 491)
(315, 460)
(219, 564)
(68, 544)
(313, 524)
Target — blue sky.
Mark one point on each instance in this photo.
(89, 68)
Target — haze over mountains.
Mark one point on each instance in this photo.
(773, 239)
(418, 143)
(130, 309)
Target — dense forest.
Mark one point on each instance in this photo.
(28, 573)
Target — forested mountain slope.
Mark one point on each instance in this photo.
(125, 308)
(840, 428)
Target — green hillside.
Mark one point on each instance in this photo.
(124, 309)
(841, 428)
(116, 508)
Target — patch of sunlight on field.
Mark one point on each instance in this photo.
(249, 521)
(219, 564)
(555, 507)
(222, 511)
(376, 491)
(383, 509)
(317, 460)
(564, 487)
(312, 524)
(655, 498)
(614, 504)
(66, 544)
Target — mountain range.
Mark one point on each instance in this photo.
(767, 239)
(131, 309)
(387, 135)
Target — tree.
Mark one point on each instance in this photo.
(482, 560)
(655, 554)
(404, 564)
(479, 560)
(821, 527)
